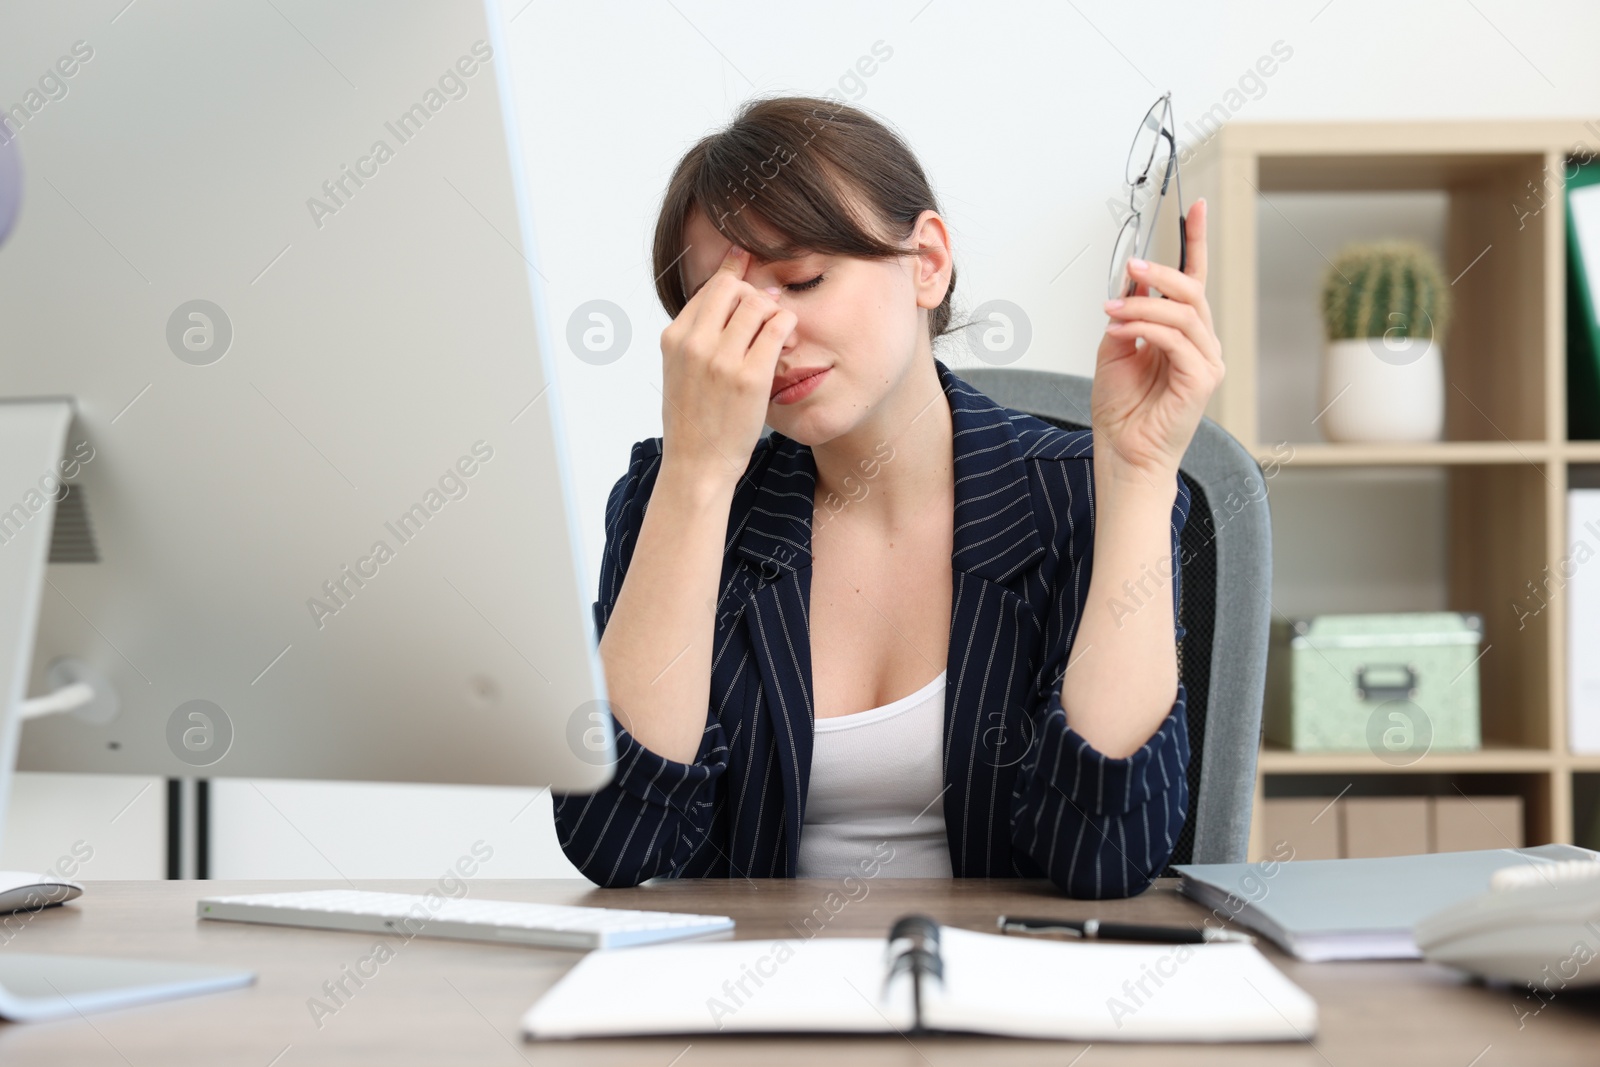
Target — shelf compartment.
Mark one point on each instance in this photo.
(1433, 538)
(1497, 350)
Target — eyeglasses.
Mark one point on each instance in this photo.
(1154, 150)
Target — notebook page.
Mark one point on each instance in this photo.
(1105, 991)
(820, 984)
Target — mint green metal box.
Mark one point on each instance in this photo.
(1397, 684)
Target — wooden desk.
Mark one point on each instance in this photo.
(460, 1002)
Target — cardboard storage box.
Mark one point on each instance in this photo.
(1461, 824)
(1308, 825)
(1384, 826)
(1323, 828)
(1398, 685)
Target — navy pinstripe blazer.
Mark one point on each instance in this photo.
(1025, 795)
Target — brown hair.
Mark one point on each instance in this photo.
(796, 161)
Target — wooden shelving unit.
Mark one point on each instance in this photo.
(1505, 455)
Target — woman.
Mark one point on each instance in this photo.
(843, 648)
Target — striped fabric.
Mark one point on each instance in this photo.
(1025, 795)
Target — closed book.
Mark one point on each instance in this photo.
(1353, 909)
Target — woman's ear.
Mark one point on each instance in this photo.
(935, 259)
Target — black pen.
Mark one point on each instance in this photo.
(1095, 930)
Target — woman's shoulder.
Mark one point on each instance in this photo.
(1043, 440)
(978, 413)
(1064, 467)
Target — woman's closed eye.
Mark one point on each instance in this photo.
(797, 287)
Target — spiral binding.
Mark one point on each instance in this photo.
(919, 957)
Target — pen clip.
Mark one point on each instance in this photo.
(1008, 926)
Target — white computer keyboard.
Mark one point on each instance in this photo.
(410, 915)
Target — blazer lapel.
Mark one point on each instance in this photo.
(996, 541)
(774, 578)
(995, 533)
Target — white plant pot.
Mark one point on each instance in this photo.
(1376, 389)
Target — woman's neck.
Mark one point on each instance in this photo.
(892, 467)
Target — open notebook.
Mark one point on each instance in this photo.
(925, 977)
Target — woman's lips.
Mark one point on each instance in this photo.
(800, 389)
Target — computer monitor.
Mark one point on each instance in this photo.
(276, 266)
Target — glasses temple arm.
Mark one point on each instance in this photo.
(1175, 176)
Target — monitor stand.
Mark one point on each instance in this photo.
(33, 437)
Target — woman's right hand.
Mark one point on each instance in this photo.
(719, 357)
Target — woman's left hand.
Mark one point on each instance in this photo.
(1148, 399)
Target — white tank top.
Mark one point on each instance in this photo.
(877, 783)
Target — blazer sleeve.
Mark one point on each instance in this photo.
(656, 812)
(1097, 826)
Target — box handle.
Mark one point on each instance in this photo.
(1391, 690)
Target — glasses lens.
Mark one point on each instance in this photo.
(1148, 155)
(1118, 284)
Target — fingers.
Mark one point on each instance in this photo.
(1174, 313)
(1184, 359)
(754, 313)
(720, 302)
(1173, 284)
(768, 344)
(1176, 285)
(736, 262)
(715, 299)
(1139, 289)
(1195, 228)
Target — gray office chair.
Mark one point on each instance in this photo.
(1225, 609)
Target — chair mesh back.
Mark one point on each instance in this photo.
(1197, 610)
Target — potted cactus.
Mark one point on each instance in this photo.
(1385, 306)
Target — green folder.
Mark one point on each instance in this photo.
(1583, 324)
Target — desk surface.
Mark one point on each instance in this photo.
(459, 1002)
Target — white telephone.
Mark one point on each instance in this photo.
(1538, 924)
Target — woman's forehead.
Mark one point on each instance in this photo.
(704, 248)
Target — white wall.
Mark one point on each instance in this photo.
(358, 830)
(1021, 114)
(86, 826)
